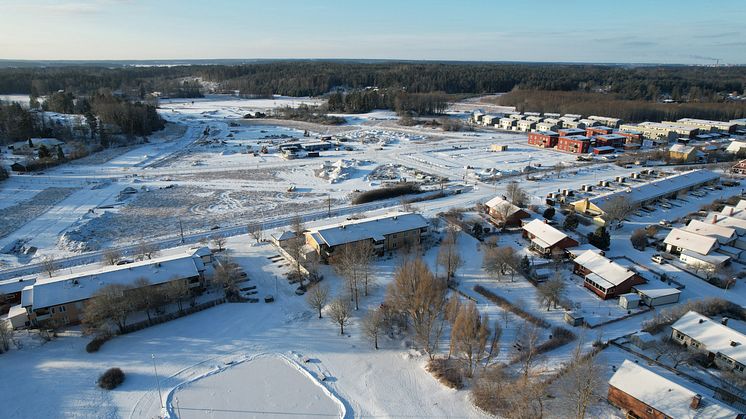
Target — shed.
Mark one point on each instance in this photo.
(574, 319)
(629, 301)
(18, 167)
(653, 295)
(642, 340)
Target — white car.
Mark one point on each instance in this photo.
(657, 258)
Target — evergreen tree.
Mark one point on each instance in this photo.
(600, 238)
(44, 152)
(60, 154)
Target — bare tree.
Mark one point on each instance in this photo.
(317, 297)
(526, 343)
(500, 261)
(449, 257)
(6, 336)
(49, 265)
(226, 278)
(493, 350)
(295, 245)
(256, 231)
(112, 303)
(176, 291)
(147, 250)
(558, 168)
(516, 195)
(340, 312)
(581, 382)
(218, 241)
(617, 209)
(469, 336)
(353, 262)
(147, 297)
(373, 325)
(419, 294)
(552, 291)
(111, 256)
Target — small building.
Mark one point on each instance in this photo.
(498, 147)
(641, 393)
(576, 251)
(707, 125)
(546, 126)
(643, 340)
(507, 124)
(695, 249)
(684, 153)
(317, 146)
(629, 301)
(592, 131)
(567, 132)
(610, 140)
(603, 276)
(606, 120)
(574, 124)
(491, 120)
(526, 125)
(653, 295)
(476, 116)
(18, 167)
(634, 137)
(555, 121)
(739, 168)
(547, 240)
(725, 236)
(603, 150)
(504, 213)
(723, 345)
(574, 319)
(543, 139)
(578, 144)
(736, 147)
(386, 232)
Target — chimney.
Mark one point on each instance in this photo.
(696, 400)
(731, 210)
(701, 321)
(724, 322)
(733, 343)
(714, 218)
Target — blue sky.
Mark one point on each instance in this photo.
(671, 31)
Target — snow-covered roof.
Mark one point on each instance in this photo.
(736, 223)
(610, 271)
(497, 203)
(741, 204)
(735, 146)
(655, 291)
(713, 258)
(715, 336)
(285, 235)
(690, 241)
(369, 228)
(13, 285)
(735, 212)
(681, 148)
(664, 395)
(657, 188)
(547, 235)
(605, 148)
(47, 292)
(721, 233)
(609, 136)
(579, 250)
(630, 296)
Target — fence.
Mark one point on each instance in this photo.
(171, 316)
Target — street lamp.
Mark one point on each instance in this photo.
(157, 381)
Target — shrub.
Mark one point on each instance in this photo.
(445, 371)
(111, 379)
(96, 343)
(708, 307)
(548, 213)
(560, 336)
(639, 239)
(405, 188)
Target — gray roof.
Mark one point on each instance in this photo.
(374, 228)
(658, 188)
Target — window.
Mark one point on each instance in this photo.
(62, 309)
(649, 410)
(52, 310)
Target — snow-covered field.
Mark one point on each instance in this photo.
(207, 170)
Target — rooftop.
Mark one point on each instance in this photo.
(664, 395)
(610, 271)
(369, 228)
(721, 233)
(544, 232)
(714, 336)
(690, 241)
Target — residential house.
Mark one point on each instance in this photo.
(504, 213)
(547, 240)
(61, 299)
(641, 393)
(610, 140)
(739, 168)
(723, 345)
(694, 249)
(578, 144)
(386, 233)
(543, 139)
(603, 276)
(684, 153)
(606, 121)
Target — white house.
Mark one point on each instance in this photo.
(725, 346)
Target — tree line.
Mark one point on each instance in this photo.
(632, 110)
(313, 78)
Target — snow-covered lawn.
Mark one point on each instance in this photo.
(280, 388)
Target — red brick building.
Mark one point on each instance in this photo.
(631, 136)
(740, 168)
(610, 140)
(543, 139)
(604, 277)
(600, 130)
(566, 132)
(578, 144)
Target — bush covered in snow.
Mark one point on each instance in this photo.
(111, 379)
(96, 343)
(405, 188)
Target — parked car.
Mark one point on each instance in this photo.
(665, 223)
(657, 258)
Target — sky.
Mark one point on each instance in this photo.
(601, 31)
